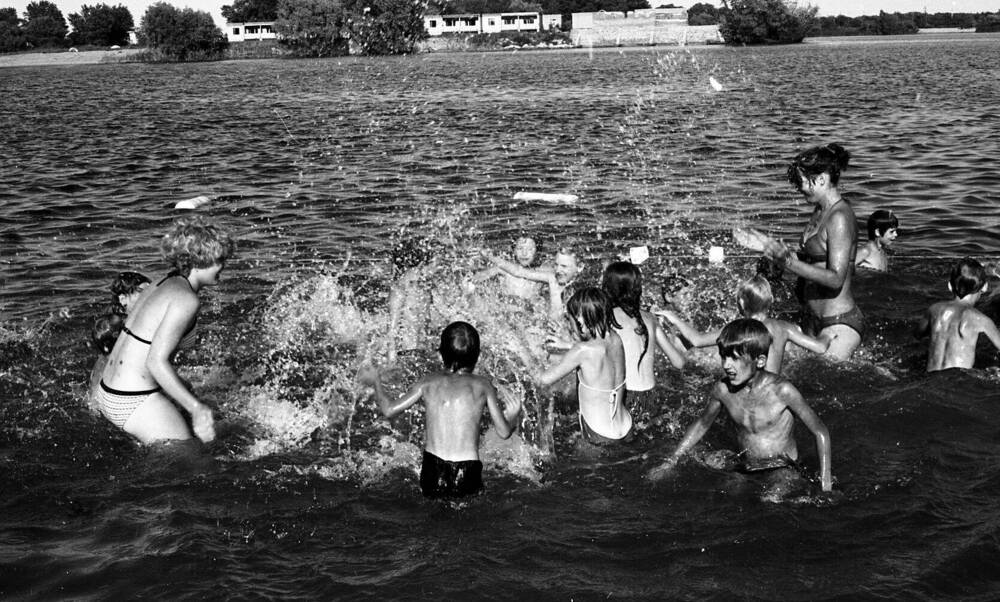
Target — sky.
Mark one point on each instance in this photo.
(851, 8)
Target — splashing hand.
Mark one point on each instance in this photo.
(203, 423)
(662, 471)
(512, 402)
(367, 375)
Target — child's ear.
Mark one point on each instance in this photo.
(761, 361)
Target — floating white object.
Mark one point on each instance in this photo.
(193, 203)
(638, 255)
(552, 197)
(715, 84)
(716, 255)
(748, 238)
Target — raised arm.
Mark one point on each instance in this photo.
(522, 272)
(695, 338)
(390, 407)
(675, 356)
(793, 399)
(179, 315)
(569, 362)
(486, 274)
(693, 435)
(504, 419)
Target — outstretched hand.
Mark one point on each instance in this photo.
(203, 423)
(512, 402)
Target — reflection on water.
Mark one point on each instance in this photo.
(321, 166)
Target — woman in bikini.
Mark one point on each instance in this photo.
(139, 385)
(824, 262)
(598, 359)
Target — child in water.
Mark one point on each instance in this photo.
(598, 358)
(454, 400)
(954, 326)
(525, 251)
(754, 300)
(125, 289)
(883, 228)
(762, 404)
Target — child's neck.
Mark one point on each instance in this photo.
(971, 299)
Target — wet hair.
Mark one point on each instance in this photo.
(459, 346)
(882, 221)
(106, 330)
(622, 283)
(125, 283)
(829, 159)
(193, 242)
(744, 337)
(592, 305)
(967, 276)
(755, 295)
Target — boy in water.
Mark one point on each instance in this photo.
(454, 400)
(560, 278)
(883, 228)
(525, 251)
(955, 326)
(762, 404)
(754, 300)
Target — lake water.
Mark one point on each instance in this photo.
(319, 167)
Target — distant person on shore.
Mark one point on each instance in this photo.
(525, 251)
(763, 407)
(825, 260)
(140, 386)
(955, 326)
(598, 360)
(454, 399)
(883, 228)
(754, 300)
(640, 334)
(125, 289)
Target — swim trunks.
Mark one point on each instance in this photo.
(118, 406)
(759, 465)
(854, 318)
(594, 438)
(444, 478)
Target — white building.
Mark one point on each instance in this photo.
(437, 25)
(258, 30)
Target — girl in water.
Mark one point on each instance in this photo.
(639, 330)
(125, 289)
(824, 262)
(598, 359)
(139, 385)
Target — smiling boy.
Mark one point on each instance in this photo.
(762, 404)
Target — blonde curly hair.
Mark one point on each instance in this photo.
(192, 242)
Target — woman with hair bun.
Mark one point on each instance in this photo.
(139, 385)
(824, 262)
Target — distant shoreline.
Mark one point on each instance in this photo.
(84, 57)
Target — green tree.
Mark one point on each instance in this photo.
(313, 27)
(987, 22)
(381, 27)
(181, 35)
(765, 22)
(245, 11)
(703, 14)
(11, 35)
(44, 25)
(101, 25)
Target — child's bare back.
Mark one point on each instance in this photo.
(955, 328)
(454, 403)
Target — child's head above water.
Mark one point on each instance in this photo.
(745, 338)
(622, 282)
(755, 296)
(459, 346)
(125, 288)
(880, 222)
(525, 250)
(830, 159)
(590, 311)
(967, 277)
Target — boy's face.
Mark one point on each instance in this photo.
(888, 237)
(566, 268)
(740, 369)
(524, 251)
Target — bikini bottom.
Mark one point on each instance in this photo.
(595, 438)
(118, 406)
(445, 478)
(854, 318)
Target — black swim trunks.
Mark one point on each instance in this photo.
(443, 478)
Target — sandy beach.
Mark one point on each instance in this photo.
(86, 57)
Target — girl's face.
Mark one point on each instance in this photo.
(889, 237)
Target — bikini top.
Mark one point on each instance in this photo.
(612, 393)
(188, 337)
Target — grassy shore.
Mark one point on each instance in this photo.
(84, 57)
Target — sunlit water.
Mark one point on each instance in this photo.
(320, 166)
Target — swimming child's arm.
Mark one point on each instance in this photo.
(693, 435)
(522, 272)
(390, 408)
(695, 338)
(989, 328)
(486, 274)
(504, 419)
(795, 335)
(674, 355)
(793, 399)
(569, 362)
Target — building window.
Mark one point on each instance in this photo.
(433, 23)
(236, 31)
